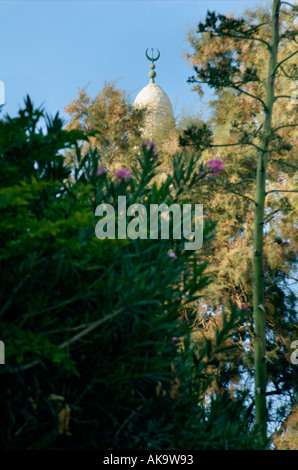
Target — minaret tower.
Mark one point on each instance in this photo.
(159, 117)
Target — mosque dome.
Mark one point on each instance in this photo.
(159, 112)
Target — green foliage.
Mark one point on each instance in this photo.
(250, 63)
(196, 136)
(98, 343)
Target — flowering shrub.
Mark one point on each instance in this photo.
(215, 165)
(171, 254)
(90, 326)
(100, 171)
(123, 174)
(150, 146)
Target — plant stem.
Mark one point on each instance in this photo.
(258, 281)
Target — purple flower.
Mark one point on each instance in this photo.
(175, 338)
(99, 171)
(216, 165)
(171, 254)
(123, 173)
(149, 146)
(244, 307)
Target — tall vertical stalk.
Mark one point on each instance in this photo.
(258, 281)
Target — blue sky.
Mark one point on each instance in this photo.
(50, 49)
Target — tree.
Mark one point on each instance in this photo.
(222, 65)
(97, 332)
(115, 124)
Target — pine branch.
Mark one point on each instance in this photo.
(281, 191)
(256, 27)
(286, 74)
(289, 4)
(269, 216)
(237, 194)
(282, 127)
(284, 60)
(252, 96)
(282, 96)
(242, 37)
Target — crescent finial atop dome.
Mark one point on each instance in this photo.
(152, 73)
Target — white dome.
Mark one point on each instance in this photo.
(160, 112)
